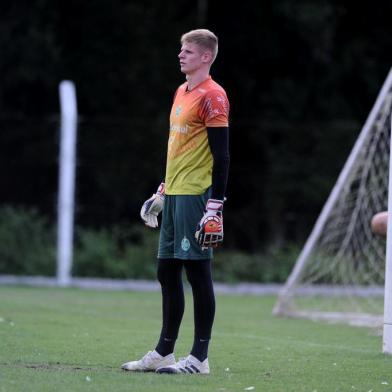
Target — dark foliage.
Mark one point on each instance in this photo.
(301, 77)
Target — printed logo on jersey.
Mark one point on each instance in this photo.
(185, 244)
(179, 128)
(179, 142)
(178, 110)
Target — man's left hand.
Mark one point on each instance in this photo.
(209, 232)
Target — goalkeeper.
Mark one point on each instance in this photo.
(192, 199)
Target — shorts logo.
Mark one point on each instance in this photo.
(185, 244)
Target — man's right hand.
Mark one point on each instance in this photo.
(153, 206)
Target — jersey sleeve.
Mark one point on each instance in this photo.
(214, 109)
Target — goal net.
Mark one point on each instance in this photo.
(339, 275)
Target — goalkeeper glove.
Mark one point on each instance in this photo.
(153, 206)
(209, 232)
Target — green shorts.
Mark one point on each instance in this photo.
(180, 216)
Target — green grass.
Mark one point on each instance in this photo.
(75, 340)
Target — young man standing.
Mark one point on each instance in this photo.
(192, 201)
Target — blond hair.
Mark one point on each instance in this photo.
(206, 39)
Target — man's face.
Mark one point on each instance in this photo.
(192, 58)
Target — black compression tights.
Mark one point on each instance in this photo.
(199, 276)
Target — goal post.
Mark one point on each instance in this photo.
(387, 331)
(339, 274)
(66, 188)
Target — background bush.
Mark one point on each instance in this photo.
(27, 243)
(271, 265)
(27, 247)
(120, 252)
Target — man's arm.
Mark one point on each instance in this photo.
(209, 232)
(218, 139)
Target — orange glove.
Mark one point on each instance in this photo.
(209, 232)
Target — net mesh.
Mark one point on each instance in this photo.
(342, 277)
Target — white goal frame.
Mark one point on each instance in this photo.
(387, 331)
(281, 307)
(66, 189)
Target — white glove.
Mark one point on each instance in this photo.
(153, 206)
(209, 232)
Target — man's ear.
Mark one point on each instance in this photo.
(207, 56)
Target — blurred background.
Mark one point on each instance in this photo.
(301, 77)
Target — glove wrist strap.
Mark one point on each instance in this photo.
(214, 204)
(161, 189)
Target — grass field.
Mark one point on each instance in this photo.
(75, 340)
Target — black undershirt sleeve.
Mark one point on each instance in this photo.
(218, 139)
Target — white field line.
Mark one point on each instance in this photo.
(136, 285)
(220, 288)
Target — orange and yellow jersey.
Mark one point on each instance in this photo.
(189, 158)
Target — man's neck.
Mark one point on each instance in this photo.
(197, 78)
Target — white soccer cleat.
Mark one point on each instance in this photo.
(188, 365)
(149, 363)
